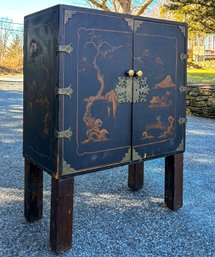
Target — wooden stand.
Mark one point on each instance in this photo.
(136, 175)
(61, 214)
(33, 195)
(174, 181)
(62, 192)
(61, 206)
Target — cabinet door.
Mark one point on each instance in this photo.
(97, 116)
(159, 97)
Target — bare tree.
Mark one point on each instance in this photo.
(5, 32)
(122, 6)
(13, 56)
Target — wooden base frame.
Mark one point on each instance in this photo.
(62, 193)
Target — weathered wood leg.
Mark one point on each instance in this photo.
(33, 195)
(61, 214)
(136, 175)
(174, 181)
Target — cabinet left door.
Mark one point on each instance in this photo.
(97, 113)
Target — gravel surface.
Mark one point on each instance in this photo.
(109, 219)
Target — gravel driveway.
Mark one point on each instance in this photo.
(109, 219)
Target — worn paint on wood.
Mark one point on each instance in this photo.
(61, 219)
(136, 175)
(33, 192)
(174, 181)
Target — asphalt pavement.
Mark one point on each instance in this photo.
(109, 219)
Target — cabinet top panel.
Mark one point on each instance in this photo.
(93, 11)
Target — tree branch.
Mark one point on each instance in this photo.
(104, 2)
(125, 5)
(210, 28)
(100, 5)
(121, 2)
(144, 7)
(114, 5)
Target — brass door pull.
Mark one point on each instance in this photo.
(131, 73)
(139, 73)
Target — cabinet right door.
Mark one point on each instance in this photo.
(159, 97)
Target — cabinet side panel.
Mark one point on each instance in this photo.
(40, 81)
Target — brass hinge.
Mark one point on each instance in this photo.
(65, 48)
(183, 56)
(182, 121)
(64, 134)
(182, 89)
(65, 91)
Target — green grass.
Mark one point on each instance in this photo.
(198, 76)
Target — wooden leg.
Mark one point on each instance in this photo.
(33, 195)
(136, 175)
(174, 181)
(61, 214)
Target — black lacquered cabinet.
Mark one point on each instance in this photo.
(102, 89)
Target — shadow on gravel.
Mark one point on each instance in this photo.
(110, 219)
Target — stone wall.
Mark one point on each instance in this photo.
(201, 100)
